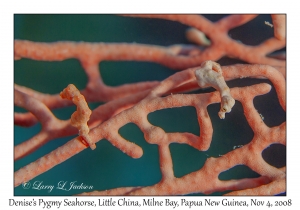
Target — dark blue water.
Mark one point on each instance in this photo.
(107, 167)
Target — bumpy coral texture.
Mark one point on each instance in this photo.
(132, 103)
